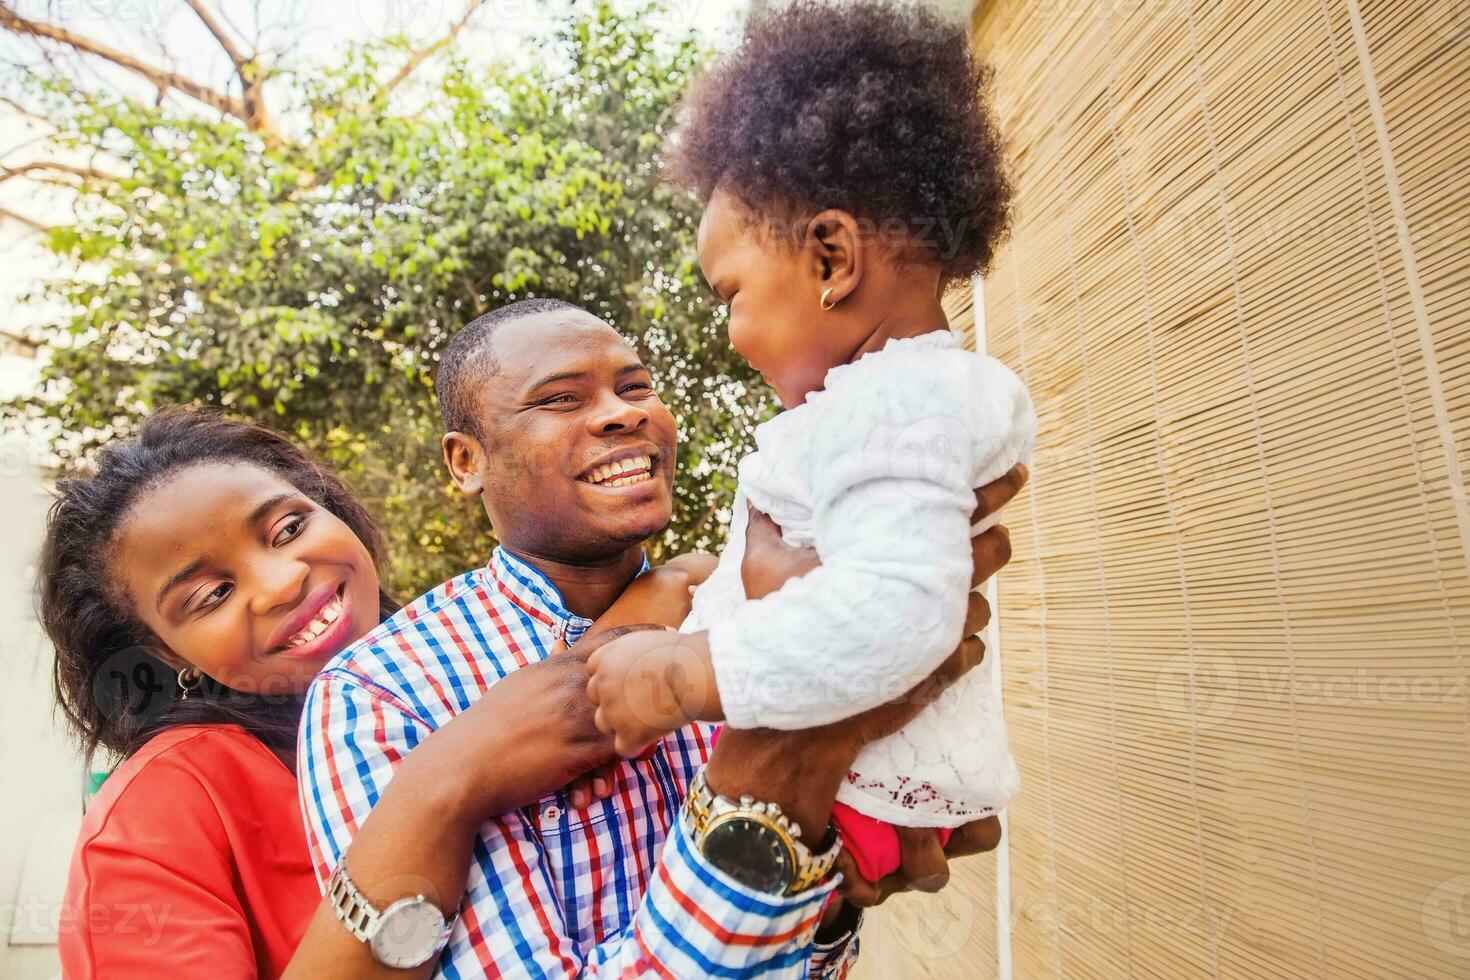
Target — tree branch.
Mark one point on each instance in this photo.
(31, 223)
(85, 173)
(21, 110)
(428, 50)
(164, 80)
(248, 69)
(220, 34)
(28, 347)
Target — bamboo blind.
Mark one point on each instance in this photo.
(1234, 632)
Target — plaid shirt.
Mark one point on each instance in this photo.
(553, 892)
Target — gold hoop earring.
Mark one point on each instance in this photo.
(188, 679)
(826, 300)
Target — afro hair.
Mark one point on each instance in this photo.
(871, 107)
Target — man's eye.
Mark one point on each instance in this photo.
(638, 386)
(290, 530)
(558, 400)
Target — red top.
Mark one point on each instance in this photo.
(192, 862)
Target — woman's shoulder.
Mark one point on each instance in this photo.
(203, 823)
(180, 770)
(194, 747)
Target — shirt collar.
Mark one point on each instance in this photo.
(525, 585)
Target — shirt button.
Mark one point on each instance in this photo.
(551, 814)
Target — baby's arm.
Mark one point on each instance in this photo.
(892, 527)
(653, 682)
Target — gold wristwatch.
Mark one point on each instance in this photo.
(755, 843)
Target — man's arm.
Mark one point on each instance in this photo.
(692, 920)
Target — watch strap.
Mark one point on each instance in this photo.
(352, 906)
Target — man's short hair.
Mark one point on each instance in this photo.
(469, 357)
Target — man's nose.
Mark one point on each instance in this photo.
(614, 413)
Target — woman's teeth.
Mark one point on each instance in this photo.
(317, 626)
(624, 472)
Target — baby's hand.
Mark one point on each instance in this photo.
(648, 684)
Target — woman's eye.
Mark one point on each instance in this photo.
(639, 386)
(215, 596)
(290, 530)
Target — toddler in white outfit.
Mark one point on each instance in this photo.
(829, 149)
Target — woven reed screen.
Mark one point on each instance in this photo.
(1235, 630)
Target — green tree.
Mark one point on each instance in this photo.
(303, 268)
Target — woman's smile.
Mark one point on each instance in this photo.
(319, 627)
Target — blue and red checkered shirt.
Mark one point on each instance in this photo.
(608, 890)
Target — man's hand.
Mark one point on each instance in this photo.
(924, 864)
(768, 561)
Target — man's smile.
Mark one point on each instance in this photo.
(625, 468)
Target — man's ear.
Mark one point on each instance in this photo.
(464, 456)
(835, 250)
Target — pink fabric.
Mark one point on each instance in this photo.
(872, 843)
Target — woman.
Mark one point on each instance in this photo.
(192, 857)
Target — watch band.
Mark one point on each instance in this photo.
(408, 933)
(351, 905)
(707, 810)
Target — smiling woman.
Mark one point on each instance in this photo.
(217, 553)
(139, 569)
(266, 597)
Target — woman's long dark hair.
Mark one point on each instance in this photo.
(115, 693)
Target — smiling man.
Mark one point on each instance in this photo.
(554, 423)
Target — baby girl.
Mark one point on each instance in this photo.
(850, 172)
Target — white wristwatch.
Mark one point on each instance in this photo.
(406, 934)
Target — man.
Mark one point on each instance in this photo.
(554, 423)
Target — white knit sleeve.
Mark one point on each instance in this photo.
(892, 456)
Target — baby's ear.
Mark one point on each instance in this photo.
(463, 454)
(836, 243)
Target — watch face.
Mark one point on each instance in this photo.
(408, 934)
(751, 853)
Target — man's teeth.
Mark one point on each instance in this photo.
(317, 626)
(624, 472)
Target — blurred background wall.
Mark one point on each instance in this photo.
(1234, 631)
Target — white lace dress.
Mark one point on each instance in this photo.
(877, 472)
